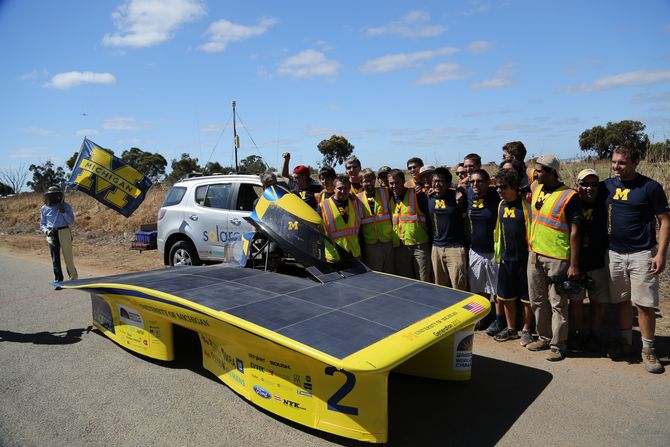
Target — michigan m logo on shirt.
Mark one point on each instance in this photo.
(509, 213)
(621, 194)
(440, 204)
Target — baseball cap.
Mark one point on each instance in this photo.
(550, 161)
(585, 173)
(384, 170)
(301, 170)
(428, 168)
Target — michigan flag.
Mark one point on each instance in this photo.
(108, 179)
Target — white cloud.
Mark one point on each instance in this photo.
(492, 83)
(501, 79)
(307, 64)
(320, 132)
(32, 75)
(38, 131)
(71, 79)
(631, 78)
(413, 24)
(223, 32)
(86, 133)
(121, 123)
(26, 152)
(480, 46)
(144, 23)
(476, 7)
(392, 62)
(443, 72)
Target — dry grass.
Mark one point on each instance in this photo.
(102, 236)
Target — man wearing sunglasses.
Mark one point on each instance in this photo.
(635, 202)
(592, 262)
(554, 254)
(414, 166)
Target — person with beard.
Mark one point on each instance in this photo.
(554, 255)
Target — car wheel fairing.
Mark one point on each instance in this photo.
(183, 253)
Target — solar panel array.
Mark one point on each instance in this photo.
(337, 318)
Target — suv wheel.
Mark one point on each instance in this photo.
(183, 253)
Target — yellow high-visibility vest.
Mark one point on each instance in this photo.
(549, 228)
(376, 224)
(344, 234)
(409, 222)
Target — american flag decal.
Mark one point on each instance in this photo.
(474, 307)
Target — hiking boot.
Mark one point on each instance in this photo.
(506, 334)
(651, 363)
(620, 351)
(495, 327)
(555, 354)
(539, 345)
(526, 338)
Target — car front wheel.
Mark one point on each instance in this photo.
(184, 253)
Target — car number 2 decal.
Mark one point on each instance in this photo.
(334, 401)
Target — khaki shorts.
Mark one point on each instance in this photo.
(631, 278)
(601, 287)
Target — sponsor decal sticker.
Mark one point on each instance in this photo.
(265, 394)
(130, 316)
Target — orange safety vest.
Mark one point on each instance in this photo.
(376, 224)
(409, 222)
(344, 234)
(550, 229)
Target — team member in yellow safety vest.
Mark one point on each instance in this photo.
(342, 216)
(411, 235)
(376, 225)
(554, 254)
(353, 168)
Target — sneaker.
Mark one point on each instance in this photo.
(495, 327)
(651, 363)
(539, 345)
(506, 334)
(555, 354)
(58, 288)
(526, 338)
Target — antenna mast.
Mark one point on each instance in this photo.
(236, 139)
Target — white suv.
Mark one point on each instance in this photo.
(202, 218)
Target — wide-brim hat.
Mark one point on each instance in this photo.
(53, 190)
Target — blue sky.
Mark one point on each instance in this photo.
(398, 79)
